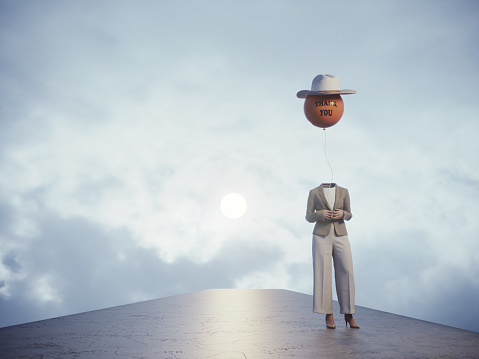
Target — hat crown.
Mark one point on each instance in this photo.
(325, 83)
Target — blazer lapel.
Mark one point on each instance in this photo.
(337, 198)
(323, 198)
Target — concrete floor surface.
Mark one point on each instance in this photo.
(233, 324)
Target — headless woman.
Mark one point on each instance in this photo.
(328, 207)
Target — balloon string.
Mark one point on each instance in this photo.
(325, 155)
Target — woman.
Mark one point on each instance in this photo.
(329, 207)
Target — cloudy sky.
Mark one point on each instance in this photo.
(124, 123)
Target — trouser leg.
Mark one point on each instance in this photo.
(322, 267)
(343, 273)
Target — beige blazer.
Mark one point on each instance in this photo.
(317, 204)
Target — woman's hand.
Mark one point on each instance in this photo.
(332, 215)
(337, 214)
(328, 215)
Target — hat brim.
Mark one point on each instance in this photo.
(306, 93)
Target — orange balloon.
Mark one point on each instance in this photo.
(323, 111)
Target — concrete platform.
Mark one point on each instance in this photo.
(233, 323)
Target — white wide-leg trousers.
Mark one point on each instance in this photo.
(327, 249)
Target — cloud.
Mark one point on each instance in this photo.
(75, 266)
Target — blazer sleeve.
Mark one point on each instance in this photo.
(347, 207)
(313, 215)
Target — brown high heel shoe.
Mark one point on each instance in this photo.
(348, 318)
(330, 321)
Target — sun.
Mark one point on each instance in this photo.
(233, 205)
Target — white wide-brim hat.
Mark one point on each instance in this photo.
(324, 85)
